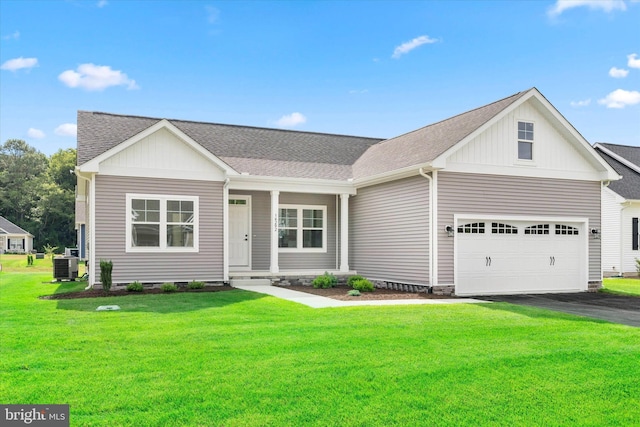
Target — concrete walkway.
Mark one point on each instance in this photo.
(316, 301)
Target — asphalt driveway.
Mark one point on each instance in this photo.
(598, 305)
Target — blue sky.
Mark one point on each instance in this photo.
(362, 68)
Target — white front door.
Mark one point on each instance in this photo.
(239, 231)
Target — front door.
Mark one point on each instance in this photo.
(239, 231)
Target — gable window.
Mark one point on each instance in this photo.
(302, 228)
(525, 141)
(162, 223)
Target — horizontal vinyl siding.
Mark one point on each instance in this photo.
(109, 243)
(389, 231)
(509, 195)
(311, 261)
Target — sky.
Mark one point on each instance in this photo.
(365, 68)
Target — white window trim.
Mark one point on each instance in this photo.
(300, 228)
(163, 248)
(526, 162)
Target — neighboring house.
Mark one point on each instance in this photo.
(621, 211)
(14, 238)
(500, 199)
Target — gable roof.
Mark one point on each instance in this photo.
(258, 151)
(295, 154)
(625, 160)
(426, 144)
(7, 227)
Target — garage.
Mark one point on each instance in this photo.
(509, 256)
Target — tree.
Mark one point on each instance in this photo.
(22, 170)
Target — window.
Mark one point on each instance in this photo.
(525, 141)
(472, 228)
(162, 223)
(302, 228)
(566, 230)
(537, 229)
(499, 228)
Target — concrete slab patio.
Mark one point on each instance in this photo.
(598, 305)
(316, 301)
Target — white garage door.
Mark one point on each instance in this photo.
(505, 257)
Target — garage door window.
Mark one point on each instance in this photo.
(472, 228)
(500, 228)
(537, 229)
(566, 230)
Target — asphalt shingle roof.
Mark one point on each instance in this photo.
(629, 186)
(276, 152)
(10, 228)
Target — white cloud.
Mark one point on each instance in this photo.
(96, 77)
(19, 63)
(583, 103)
(618, 73)
(355, 91)
(15, 36)
(620, 98)
(102, 3)
(35, 133)
(212, 14)
(410, 45)
(633, 62)
(607, 6)
(293, 119)
(67, 129)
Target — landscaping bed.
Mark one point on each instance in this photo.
(99, 293)
(340, 293)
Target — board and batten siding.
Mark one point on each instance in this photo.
(389, 231)
(110, 243)
(460, 193)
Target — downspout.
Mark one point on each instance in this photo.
(225, 230)
(431, 228)
(91, 266)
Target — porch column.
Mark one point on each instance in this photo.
(344, 233)
(275, 201)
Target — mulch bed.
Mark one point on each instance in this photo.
(99, 293)
(340, 293)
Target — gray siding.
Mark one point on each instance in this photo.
(110, 237)
(389, 231)
(508, 195)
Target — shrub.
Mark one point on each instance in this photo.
(354, 293)
(195, 285)
(638, 266)
(29, 260)
(327, 280)
(362, 285)
(168, 287)
(352, 279)
(106, 267)
(135, 287)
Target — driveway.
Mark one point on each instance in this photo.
(598, 305)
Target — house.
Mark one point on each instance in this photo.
(504, 198)
(13, 238)
(621, 211)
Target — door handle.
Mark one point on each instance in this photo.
(487, 261)
(552, 260)
(246, 237)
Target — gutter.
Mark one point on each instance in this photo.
(432, 238)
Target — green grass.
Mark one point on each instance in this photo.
(242, 359)
(627, 286)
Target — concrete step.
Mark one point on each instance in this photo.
(250, 282)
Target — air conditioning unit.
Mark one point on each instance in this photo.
(65, 268)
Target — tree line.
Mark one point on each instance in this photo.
(37, 193)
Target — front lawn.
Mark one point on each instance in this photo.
(242, 359)
(626, 286)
